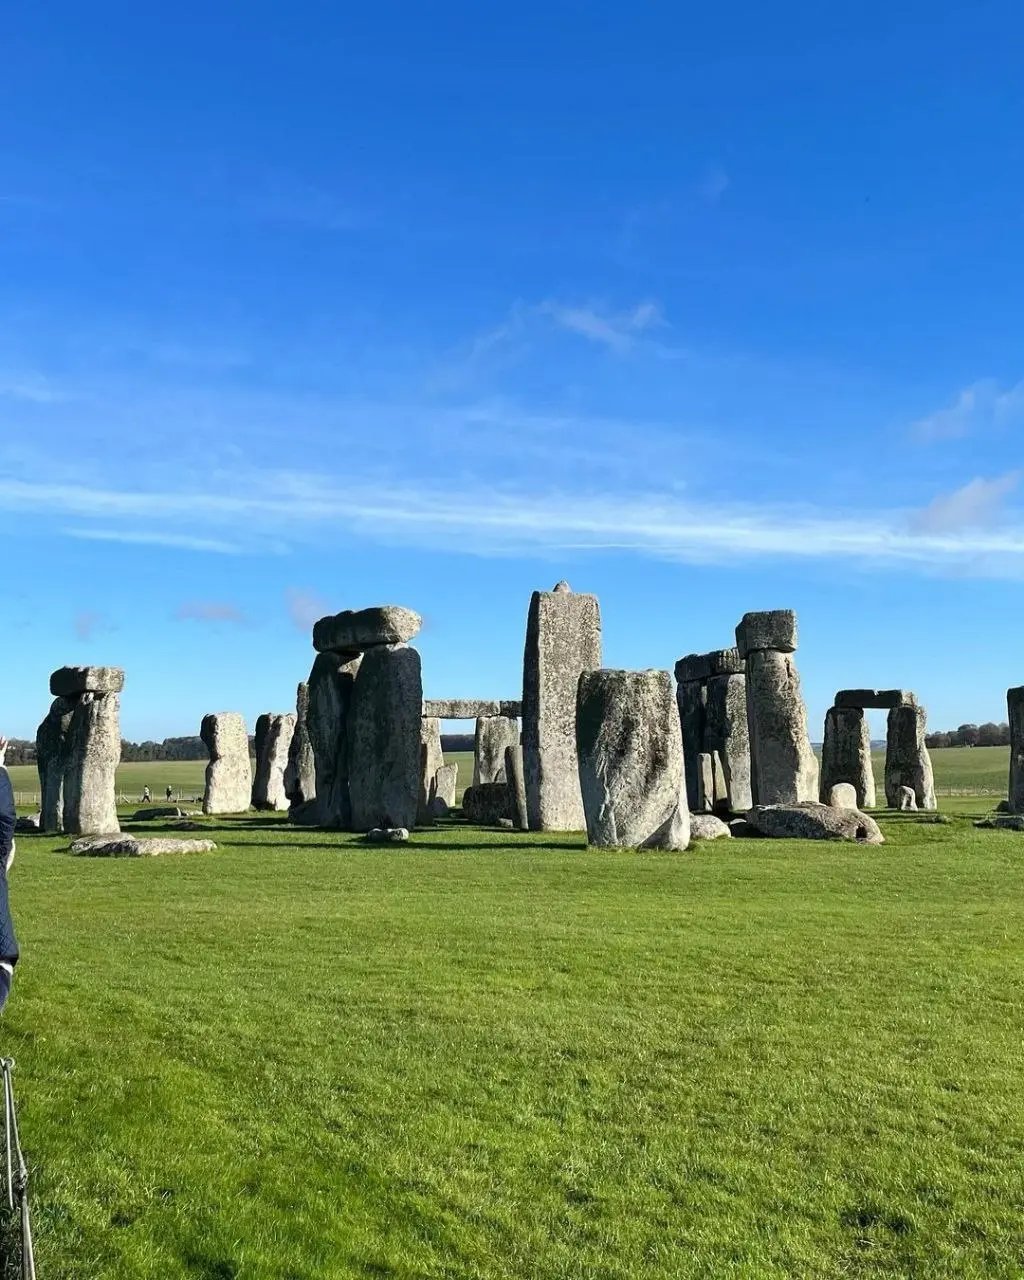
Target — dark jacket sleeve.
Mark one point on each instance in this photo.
(8, 817)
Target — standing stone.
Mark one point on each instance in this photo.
(705, 783)
(907, 762)
(229, 773)
(384, 738)
(431, 761)
(906, 800)
(846, 755)
(630, 755)
(843, 795)
(92, 754)
(563, 639)
(274, 733)
(331, 683)
(300, 774)
(446, 784)
(726, 734)
(691, 697)
(493, 735)
(1015, 710)
(516, 783)
(784, 769)
(51, 739)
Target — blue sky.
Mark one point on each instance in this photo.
(315, 306)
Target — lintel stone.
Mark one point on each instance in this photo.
(771, 629)
(695, 666)
(874, 699)
(68, 682)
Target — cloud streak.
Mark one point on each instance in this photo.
(210, 611)
(981, 407)
(616, 331)
(480, 519)
(977, 504)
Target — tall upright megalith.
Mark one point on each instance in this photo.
(784, 769)
(431, 760)
(630, 754)
(907, 762)
(79, 748)
(366, 704)
(1015, 715)
(274, 733)
(229, 773)
(846, 755)
(692, 674)
(563, 639)
(493, 735)
(300, 772)
(726, 733)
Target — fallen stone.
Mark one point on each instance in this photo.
(843, 795)
(69, 682)
(742, 829)
(486, 804)
(631, 760)
(355, 630)
(387, 835)
(563, 639)
(122, 846)
(705, 826)
(506, 824)
(1007, 822)
(151, 815)
(463, 708)
(229, 773)
(906, 800)
(770, 629)
(28, 824)
(813, 821)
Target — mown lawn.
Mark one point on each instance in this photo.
(494, 1055)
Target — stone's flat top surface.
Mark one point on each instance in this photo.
(809, 821)
(462, 708)
(68, 681)
(121, 846)
(694, 666)
(771, 629)
(874, 699)
(354, 630)
(726, 662)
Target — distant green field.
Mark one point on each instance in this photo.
(970, 770)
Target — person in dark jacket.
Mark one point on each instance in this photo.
(8, 817)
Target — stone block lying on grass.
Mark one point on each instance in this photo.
(161, 811)
(33, 823)
(814, 822)
(487, 803)
(387, 835)
(1003, 822)
(122, 846)
(705, 826)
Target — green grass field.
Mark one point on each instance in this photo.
(496, 1055)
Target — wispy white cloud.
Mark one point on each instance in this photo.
(977, 408)
(305, 607)
(618, 331)
(113, 504)
(978, 503)
(487, 520)
(210, 611)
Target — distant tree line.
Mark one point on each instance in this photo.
(21, 751)
(972, 735)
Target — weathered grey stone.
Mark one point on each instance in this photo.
(726, 734)
(68, 682)
(846, 755)
(331, 683)
(631, 760)
(511, 708)
(384, 738)
(354, 630)
(874, 699)
(744, 830)
(694, 666)
(1015, 715)
(691, 698)
(158, 811)
(431, 760)
(51, 753)
(493, 735)
(486, 804)
(446, 784)
(726, 662)
(387, 835)
(814, 821)
(784, 769)
(563, 639)
(28, 824)
(461, 708)
(842, 795)
(1004, 806)
(305, 814)
(907, 762)
(773, 629)
(1009, 822)
(705, 826)
(300, 772)
(274, 732)
(705, 783)
(112, 845)
(229, 773)
(92, 754)
(906, 800)
(516, 783)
